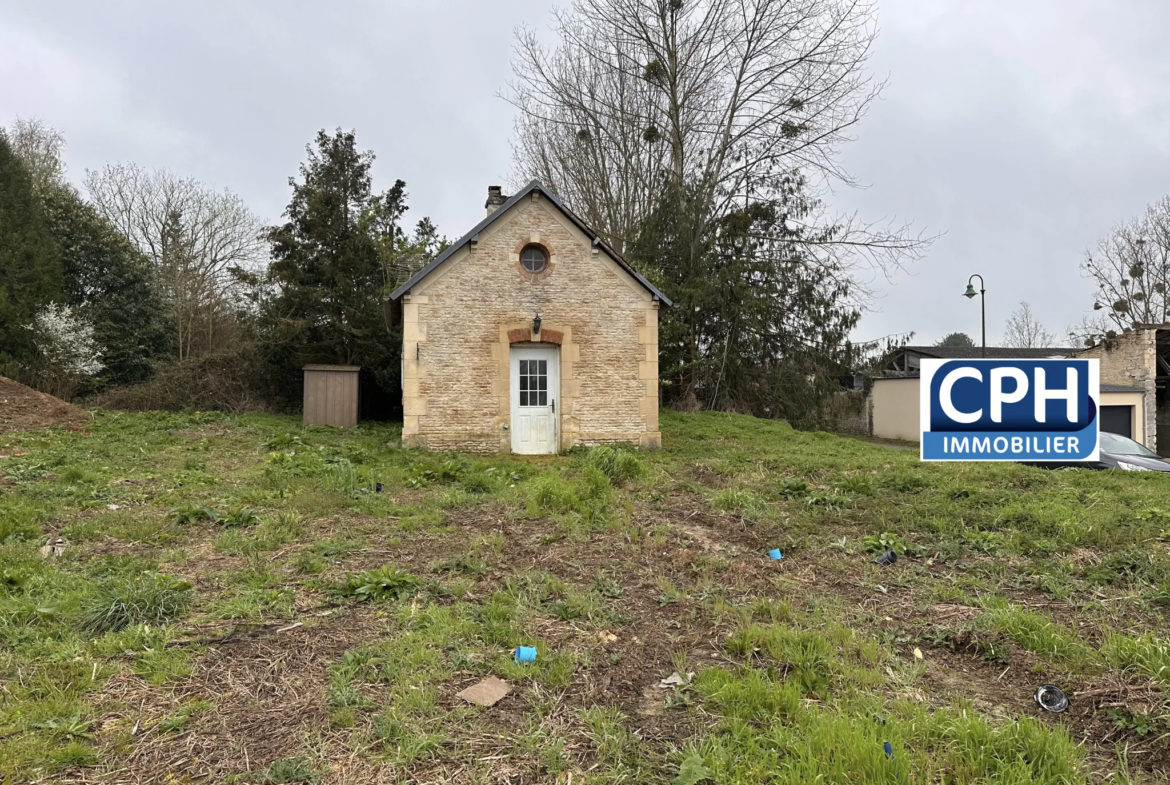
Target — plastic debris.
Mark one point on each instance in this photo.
(488, 692)
(775, 554)
(889, 748)
(1051, 698)
(886, 559)
(54, 549)
(113, 506)
(917, 653)
(605, 636)
(379, 487)
(676, 679)
(524, 654)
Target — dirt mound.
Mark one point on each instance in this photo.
(22, 408)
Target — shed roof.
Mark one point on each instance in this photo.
(535, 185)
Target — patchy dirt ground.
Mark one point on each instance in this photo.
(23, 408)
(669, 579)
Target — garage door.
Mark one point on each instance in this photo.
(1117, 419)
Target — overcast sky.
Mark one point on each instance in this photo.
(1022, 129)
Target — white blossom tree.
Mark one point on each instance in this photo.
(68, 352)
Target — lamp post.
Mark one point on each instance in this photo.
(970, 293)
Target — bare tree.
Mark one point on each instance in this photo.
(1131, 270)
(199, 240)
(1023, 331)
(41, 147)
(726, 96)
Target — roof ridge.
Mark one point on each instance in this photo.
(533, 185)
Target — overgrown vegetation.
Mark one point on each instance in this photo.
(243, 578)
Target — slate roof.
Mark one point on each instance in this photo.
(535, 185)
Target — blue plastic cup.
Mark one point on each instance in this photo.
(775, 554)
(524, 654)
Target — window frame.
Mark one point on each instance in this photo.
(544, 258)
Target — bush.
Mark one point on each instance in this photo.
(150, 598)
(230, 383)
(618, 463)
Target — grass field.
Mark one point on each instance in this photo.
(235, 601)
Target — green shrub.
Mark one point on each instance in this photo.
(150, 598)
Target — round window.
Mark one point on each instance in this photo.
(533, 259)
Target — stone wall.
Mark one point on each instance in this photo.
(460, 321)
(1131, 360)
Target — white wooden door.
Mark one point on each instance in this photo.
(536, 384)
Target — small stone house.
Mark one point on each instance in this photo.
(529, 335)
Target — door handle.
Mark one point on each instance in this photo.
(554, 405)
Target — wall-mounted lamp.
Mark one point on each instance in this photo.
(536, 325)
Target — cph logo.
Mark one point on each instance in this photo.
(1009, 410)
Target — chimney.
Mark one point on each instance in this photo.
(495, 199)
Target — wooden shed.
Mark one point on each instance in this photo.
(331, 395)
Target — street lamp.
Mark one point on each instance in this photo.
(982, 306)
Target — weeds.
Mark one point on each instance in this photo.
(884, 542)
(619, 464)
(192, 513)
(238, 516)
(384, 583)
(150, 598)
(564, 555)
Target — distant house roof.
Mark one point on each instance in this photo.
(1105, 388)
(993, 352)
(906, 360)
(535, 185)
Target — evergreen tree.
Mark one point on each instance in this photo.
(329, 269)
(760, 324)
(957, 341)
(110, 281)
(30, 263)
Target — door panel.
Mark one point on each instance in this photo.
(1118, 420)
(535, 386)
